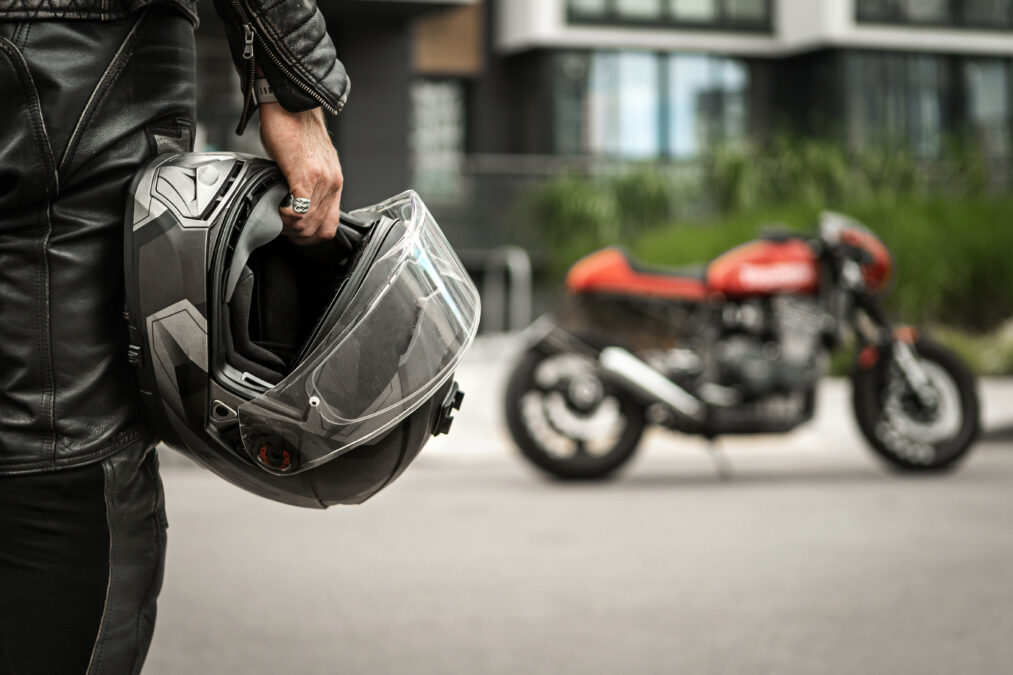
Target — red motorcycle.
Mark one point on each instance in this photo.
(736, 347)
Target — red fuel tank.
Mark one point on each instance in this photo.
(766, 267)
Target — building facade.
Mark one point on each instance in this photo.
(670, 78)
(471, 101)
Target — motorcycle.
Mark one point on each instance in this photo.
(734, 347)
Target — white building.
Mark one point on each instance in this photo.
(668, 78)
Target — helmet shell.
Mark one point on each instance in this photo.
(179, 209)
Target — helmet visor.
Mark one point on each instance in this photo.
(391, 347)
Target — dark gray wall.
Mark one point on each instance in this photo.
(372, 133)
(802, 95)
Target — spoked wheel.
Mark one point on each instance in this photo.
(902, 429)
(566, 420)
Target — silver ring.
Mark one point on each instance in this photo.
(298, 204)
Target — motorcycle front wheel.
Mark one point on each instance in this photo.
(566, 420)
(902, 431)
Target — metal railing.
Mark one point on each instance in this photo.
(504, 278)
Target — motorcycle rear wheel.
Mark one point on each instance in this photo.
(528, 403)
(890, 420)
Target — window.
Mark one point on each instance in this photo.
(988, 105)
(639, 9)
(703, 11)
(588, 8)
(905, 11)
(436, 137)
(924, 104)
(898, 98)
(751, 15)
(877, 10)
(645, 105)
(570, 94)
(927, 11)
(746, 10)
(623, 105)
(707, 103)
(994, 14)
(922, 101)
(988, 13)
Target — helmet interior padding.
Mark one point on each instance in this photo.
(280, 296)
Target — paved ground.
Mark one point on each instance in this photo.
(811, 559)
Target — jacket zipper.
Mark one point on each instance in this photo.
(251, 75)
(249, 35)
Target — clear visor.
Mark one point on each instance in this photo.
(394, 345)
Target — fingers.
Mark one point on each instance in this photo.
(300, 144)
(320, 222)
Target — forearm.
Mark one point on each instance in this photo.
(300, 144)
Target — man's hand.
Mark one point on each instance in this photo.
(299, 143)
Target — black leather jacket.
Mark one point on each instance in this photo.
(71, 133)
(94, 10)
(287, 40)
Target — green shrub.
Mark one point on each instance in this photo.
(988, 354)
(571, 208)
(952, 256)
(645, 198)
(952, 243)
(825, 173)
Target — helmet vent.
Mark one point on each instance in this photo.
(222, 191)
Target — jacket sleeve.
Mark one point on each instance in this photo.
(288, 41)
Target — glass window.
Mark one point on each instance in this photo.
(987, 13)
(735, 86)
(688, 87)
(589, 8)
(436, 137)
(925, 105)
(878, 10)
(954, 13)
(570, 96)
(735, 14)
(746, 10)
(874, 100)
(896, 98)
(927, 11)
(707, 103)
(639, 9)
(644, 105)
(624, 104)
(988, 103)
(695, 10)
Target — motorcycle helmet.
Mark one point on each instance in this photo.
(307, 375)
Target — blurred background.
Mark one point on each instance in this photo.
(680, 127)
(537, 131)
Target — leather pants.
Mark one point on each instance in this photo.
(82, 522)
(82, 555)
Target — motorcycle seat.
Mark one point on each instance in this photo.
(697, 272)
(613, 271)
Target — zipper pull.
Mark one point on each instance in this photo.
(247, 41)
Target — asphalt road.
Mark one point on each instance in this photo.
(810, 559)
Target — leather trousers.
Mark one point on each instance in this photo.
(84, 104)
(82, 521)
(82, 556)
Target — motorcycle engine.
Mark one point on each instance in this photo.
(772, 347)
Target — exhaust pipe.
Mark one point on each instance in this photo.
(651, 384)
